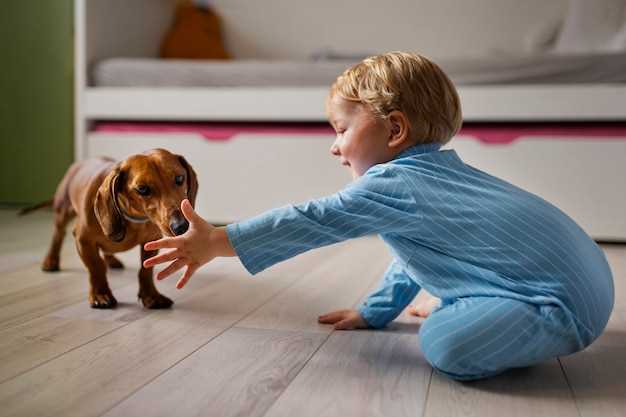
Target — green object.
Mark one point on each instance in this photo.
(36, 98)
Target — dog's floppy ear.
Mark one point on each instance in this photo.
(106, 207)
(192, 181)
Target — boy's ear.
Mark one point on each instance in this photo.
(399, 128)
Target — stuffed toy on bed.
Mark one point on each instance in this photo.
(195, 34)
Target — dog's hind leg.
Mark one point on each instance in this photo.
(63, 214)
(112, 261)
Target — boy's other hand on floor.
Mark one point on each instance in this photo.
(344, 320)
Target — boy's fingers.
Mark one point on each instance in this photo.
(188, 273)
(327, 318)
(173, 267)
(166, 242)
(188, 211)
(344, 325)
(331, 318)
(164, 257)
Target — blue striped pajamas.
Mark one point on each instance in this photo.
(520, 282)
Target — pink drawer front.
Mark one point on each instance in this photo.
(491, 133)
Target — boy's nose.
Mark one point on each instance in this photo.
(334, 149)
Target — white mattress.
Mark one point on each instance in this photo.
(145, 72)
(530, 69)
(539, 69)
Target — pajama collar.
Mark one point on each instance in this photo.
(418, 150)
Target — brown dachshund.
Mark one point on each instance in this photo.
(118, 206)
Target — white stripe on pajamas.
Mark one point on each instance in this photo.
(459, 233)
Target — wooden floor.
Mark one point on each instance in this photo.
(235, 345)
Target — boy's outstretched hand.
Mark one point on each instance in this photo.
(344, 320)
(197, 246)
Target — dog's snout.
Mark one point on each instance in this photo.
(178, 224)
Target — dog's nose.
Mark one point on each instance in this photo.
(179, 224)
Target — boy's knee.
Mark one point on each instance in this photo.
(445, 360)
(447, 365)
(440, 358)
(444, 363)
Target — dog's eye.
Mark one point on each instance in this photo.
(143, 190)
(179, 179)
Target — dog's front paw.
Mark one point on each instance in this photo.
(155, 301)
(50, 264)
(105, 300)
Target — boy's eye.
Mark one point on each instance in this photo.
(179, 179)
(143, 190)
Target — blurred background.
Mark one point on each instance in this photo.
(36, 110)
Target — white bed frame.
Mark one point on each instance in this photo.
(248, 174)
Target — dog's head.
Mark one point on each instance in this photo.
(148, 187)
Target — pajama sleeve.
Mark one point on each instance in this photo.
(378, 202)
(394, 293)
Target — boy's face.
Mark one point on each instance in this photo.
(362, 139)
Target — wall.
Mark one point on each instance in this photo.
(288, 29)
(36, 125)
(436, 28)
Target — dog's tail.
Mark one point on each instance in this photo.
(26, 210)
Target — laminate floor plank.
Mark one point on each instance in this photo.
(25, 232)
(338, 284)
(360, 374)
(60, 290)
(63, 328)
(94, 377)
(29, 344)
(240, 373)
(538, 391)
(598, 374)
(251, 346)
(29, 274)
(281, 312)
(25, 239)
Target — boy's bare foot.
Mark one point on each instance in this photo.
(424, 304)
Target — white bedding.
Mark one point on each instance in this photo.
(502, 69)
(146, 72)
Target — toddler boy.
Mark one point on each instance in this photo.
(519, 281)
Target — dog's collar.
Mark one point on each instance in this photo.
(130, 218)
(134, 219)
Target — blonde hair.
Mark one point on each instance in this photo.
(409, 83)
